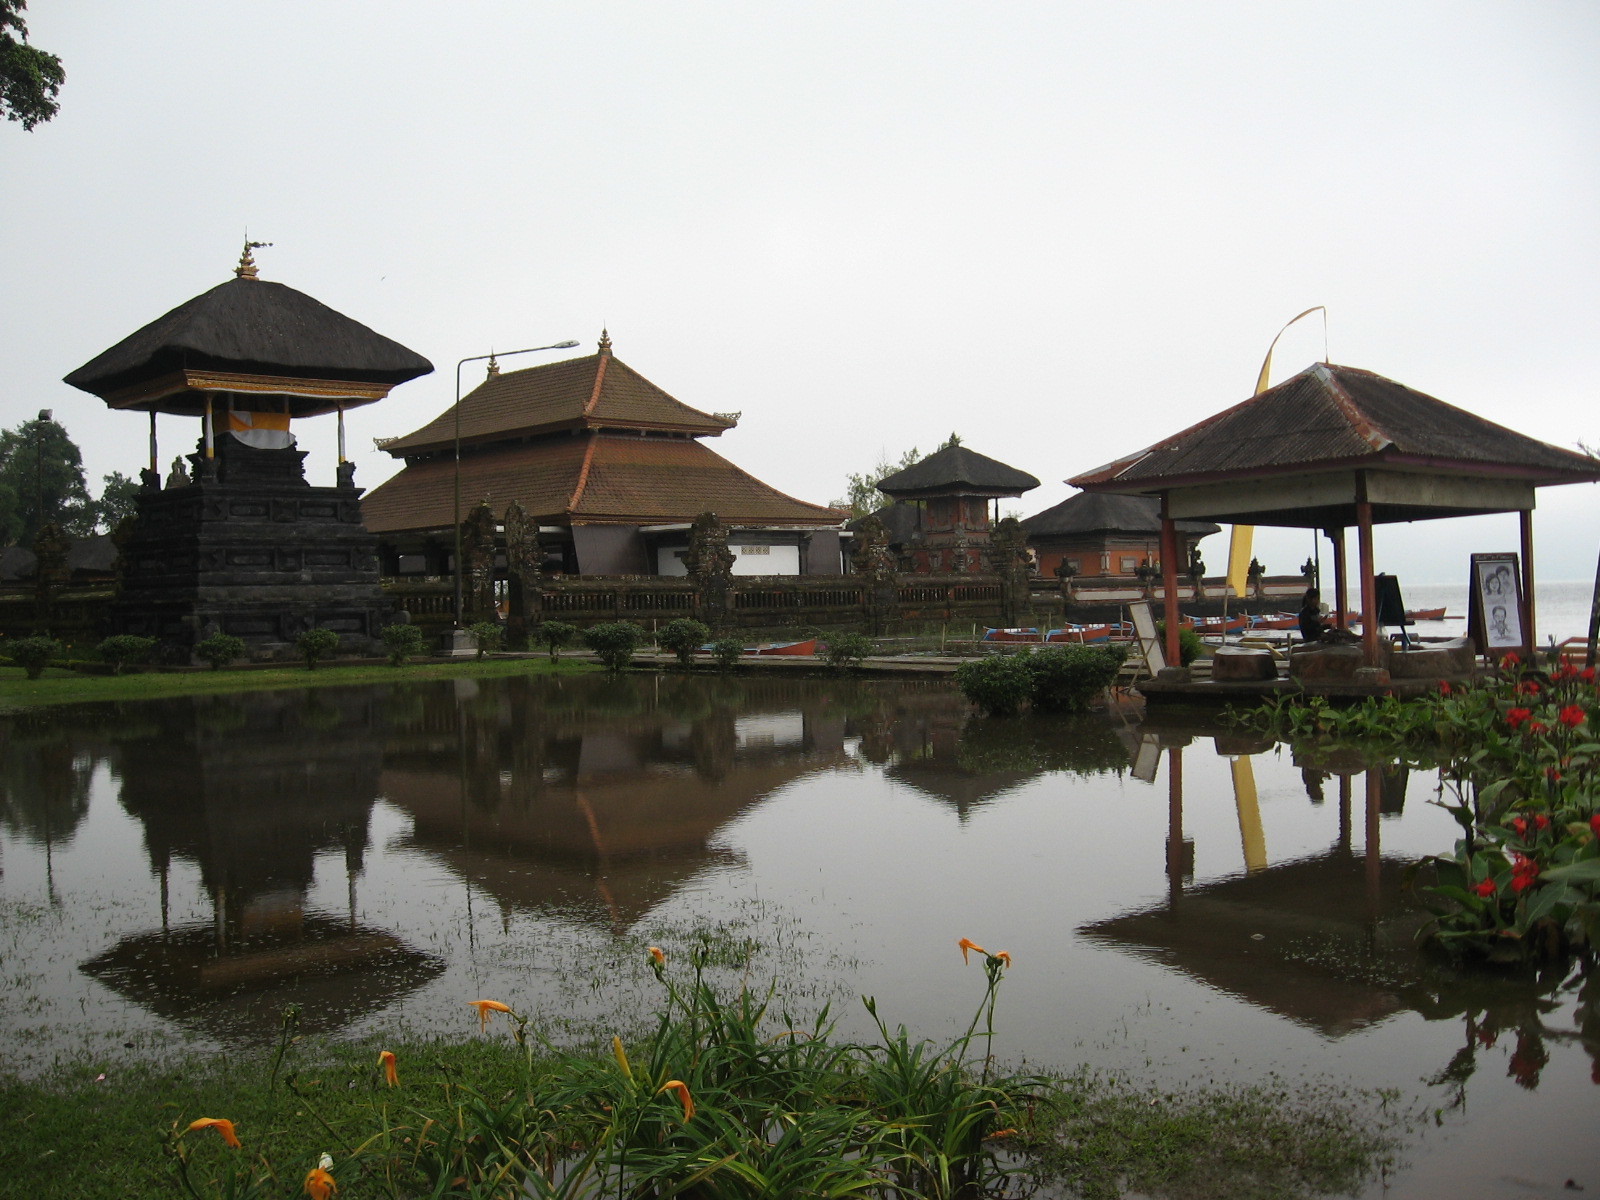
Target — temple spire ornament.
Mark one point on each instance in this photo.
(605, 342)
(247, 263)
(494, 366)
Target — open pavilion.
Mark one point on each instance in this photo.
(1338, 448)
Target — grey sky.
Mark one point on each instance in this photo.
(1061, 230)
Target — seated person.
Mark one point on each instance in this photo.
(1312, 626)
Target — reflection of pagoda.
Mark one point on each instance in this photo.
(552, 803)
(1325, 940)
(238, 540)
(252, 788)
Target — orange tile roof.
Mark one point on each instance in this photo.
(603, 478)
(599, 391)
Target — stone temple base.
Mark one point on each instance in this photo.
(249, 548)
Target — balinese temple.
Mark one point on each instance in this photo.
(236, 540)
(1101, 534)
(955, 490)
(611, 467)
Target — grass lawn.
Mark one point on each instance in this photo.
(60, 686)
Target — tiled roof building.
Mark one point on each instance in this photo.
(609, 465)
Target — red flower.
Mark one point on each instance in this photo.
(1594, 824)
(1587, 674)
(1540, 821)
(1519, 826)
(1486, 888)
(1565, 671)
(1537, 727)
(1444, 687)
(1527, 688)
(1552, 774)
(1516, 716)
(1511, 659)
(1524, 873)
(1573, 715)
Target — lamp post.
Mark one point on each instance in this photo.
(45, 415)
(479, 358)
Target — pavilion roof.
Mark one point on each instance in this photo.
(595, 392)
(956, 470)
(600, 478)
(249, 335)
(1332, 417)
(1106, 513)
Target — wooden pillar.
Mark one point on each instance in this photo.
(1169, 582)
(1369, 589)
(1341, 579)
(154, 463)
(211, 451)
(1530, 637)
(341, 434)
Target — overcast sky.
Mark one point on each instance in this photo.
(1061, 230)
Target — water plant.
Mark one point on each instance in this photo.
(1062, 679)
(1517, 755)
(682, 637)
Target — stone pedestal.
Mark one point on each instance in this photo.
(1242, 664)
(1325, 664)
(1453, 660)
(248, 548)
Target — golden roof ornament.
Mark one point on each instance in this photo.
(247, 263)
(494, 366)
(605, 342)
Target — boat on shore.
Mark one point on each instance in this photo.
(1082, 635)
(805, 647)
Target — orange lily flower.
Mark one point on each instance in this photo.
(1003, 957)
(659, 957)
(221, 1124)
(684, 1098)
(967, 944)
(319, 1184)
(485, 1008)
(386, 1061)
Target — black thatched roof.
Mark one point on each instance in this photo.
(250, 326)
(956, 470)
(1103, 512)
(1330, 417)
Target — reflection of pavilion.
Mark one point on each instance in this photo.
(252, 789)
(1323, 940)
(602, 815)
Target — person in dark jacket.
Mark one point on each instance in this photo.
(1312, 626)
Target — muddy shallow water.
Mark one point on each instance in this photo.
(1183, 905)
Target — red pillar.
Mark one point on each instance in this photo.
(1529, 636)
(1369, 589)
(1169, 582)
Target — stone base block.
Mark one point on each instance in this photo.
(458, 643)
(1173, 675)
(1435, 660)
(1326, 664)
(1372, 676)
(1240, 664)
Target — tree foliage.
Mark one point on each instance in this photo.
(30, 78)
(861, 492)
(41, 480)
(118, 500)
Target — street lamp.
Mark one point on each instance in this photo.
(45, 415)
(459, 365)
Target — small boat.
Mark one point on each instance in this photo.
(1011, 635)
(1280, 620)
(809, 646)
(1080, 635)
(1215, 625)
(1425, 614)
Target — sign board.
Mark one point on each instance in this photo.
(1496, 612)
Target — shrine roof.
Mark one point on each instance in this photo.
(1103, 512)
(601, 478)
(956, 470)
(598, 391)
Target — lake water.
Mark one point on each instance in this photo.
(1184, 906)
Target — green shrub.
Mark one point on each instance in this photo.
(614, 643)
(487, 636)
(124, 648)
(999, 684)
(402, 641)
(683, 637)
(725, 652)
(1190, 647)
(554, 634)
(32, 654)
(848, 649)
(1067, 678)
(317, 644)
(219, 650)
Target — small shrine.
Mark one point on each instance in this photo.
(954, 490)
(235, 539)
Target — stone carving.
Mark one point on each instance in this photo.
(477, 550)
(1009, 549)
(524, 558)
(710, 565)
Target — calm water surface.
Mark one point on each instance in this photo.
(1183, 905)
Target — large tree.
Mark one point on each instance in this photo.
(41, 479)
(30, 78)
(862, 495)
(117, 502)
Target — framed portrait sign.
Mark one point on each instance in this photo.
(1496, 613)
